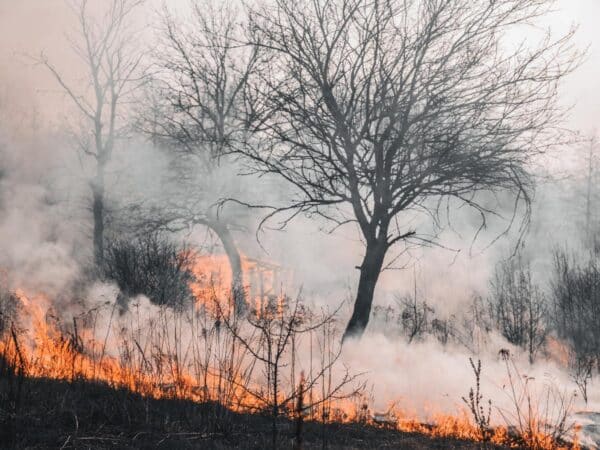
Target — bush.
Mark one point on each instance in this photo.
(415, 320)
(152, 266)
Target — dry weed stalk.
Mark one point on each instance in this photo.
(481, 415)
(270, 337)
(540, 420)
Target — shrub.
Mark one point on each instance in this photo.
(152, 266)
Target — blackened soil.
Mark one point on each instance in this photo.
(51, 414)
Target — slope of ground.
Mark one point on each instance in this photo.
(41, 413)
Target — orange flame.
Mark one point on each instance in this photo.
(213, 278)
(46, 349)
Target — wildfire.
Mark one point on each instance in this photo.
(207, 368)
(49, 352)
(213, 279)
(559, 351)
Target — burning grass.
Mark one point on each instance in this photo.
(83, 415)
(206, 355)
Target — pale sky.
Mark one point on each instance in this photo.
(583, 87)
(29, 26)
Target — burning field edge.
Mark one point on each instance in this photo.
(83, 414)
(59, 388)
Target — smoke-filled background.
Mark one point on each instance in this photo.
(38, 118)
(45, 218)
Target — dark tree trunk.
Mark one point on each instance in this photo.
(275, 404)
(235, 263)
(98, 211)
(369, 274)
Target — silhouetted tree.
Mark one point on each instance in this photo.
(375, 109)
(576, 301)
(112, 66)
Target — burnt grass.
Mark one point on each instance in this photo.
(42, 414)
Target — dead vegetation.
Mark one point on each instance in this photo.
(83, 415)
(366, 113)
(201, 377)
(205, 355)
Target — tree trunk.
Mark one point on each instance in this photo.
(369, 274)
(235, 263)
(98, 211)
(275, 403)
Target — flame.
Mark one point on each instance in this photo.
(49, 352)
(45, 347)
(261, 281)
(558, 351)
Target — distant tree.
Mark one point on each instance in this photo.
(576, 304)
(200, 87)
(415, 319)
(113, 67)
(518, 309)
(414, 316)
(375, 109)
(592, 226)
(581, 368)
(3, 117)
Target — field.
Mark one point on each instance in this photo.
(80, 414)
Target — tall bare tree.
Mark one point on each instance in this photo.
(201, 78)
(375, 109)
(112, 70)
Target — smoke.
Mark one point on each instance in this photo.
(45, 226)
(427, 380)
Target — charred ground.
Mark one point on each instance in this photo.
(41, 413)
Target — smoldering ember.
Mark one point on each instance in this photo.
(299, 224)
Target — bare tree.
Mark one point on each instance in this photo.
(591, 195)
(581, 371)
(201, 81)
(518, 308)
(113, 70)
(373, 110)
(415, 319)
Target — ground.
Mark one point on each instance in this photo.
(78, 415)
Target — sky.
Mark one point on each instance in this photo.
(28, 27)
(582, 89)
